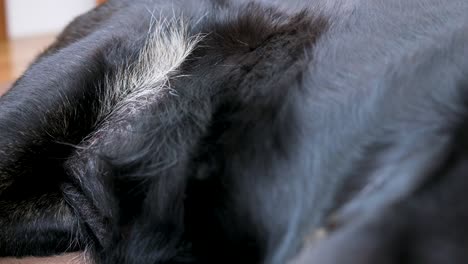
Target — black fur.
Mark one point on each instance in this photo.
(287, 117)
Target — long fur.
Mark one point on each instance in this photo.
(236, 131)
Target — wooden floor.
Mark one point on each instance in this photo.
(17, 54)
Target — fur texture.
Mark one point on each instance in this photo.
(231, 131)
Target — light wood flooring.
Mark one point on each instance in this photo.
(17, 54)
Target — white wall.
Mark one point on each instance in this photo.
(34, 17)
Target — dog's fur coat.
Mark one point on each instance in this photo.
(223, 131)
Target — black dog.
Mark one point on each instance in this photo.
(219, 131)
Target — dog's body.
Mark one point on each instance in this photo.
(228, 132)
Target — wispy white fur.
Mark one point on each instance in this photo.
(137, 85)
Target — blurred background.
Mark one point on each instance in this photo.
(28, 26)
